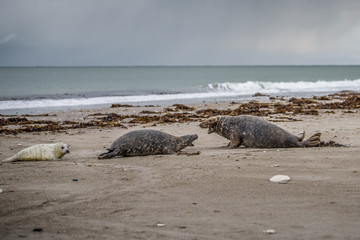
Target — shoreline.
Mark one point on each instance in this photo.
(46, 104)
(276, 109)
(219, 194)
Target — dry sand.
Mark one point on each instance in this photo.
(220, 194)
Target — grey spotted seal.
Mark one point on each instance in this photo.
(256, 132)
(147, 142)
(40, 152)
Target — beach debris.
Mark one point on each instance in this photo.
(259, 94)
(331, 144)
(1, 190)
(280, 179)
(279, 110)
(269, 231)
(121, 105)
(188, 153)
(193, 153)
(37, 229)
(183, 107)
(275, 165)
(160, 224)
(75, 180)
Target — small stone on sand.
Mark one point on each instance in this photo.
(280, 179)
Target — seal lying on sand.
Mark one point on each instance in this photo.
(147, 142)
(256, 132)
(40, 152)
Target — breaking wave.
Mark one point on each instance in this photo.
(43, 103)
(251, 87)
(211, 91)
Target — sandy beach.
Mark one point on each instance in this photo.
(218, 194)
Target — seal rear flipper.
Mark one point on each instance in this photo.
(10, 159)
(313, 141)
(302, 136)
(109, 154)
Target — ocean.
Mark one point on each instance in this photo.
(35, 90)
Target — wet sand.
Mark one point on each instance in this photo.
(219, 194)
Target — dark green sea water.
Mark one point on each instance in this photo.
(63, 87)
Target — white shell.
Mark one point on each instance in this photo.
(270, 231)
(1, 190)
(280, 179)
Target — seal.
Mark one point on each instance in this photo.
(40, 152)
(256, 132)
(147, 142)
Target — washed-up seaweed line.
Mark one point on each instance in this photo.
(180, 113)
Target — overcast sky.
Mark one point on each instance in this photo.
(178, 32)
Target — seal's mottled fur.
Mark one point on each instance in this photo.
(147, 142)
(256, 132)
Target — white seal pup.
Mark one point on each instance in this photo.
(40, 152)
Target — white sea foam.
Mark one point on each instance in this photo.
(251, 87)
(41, 103)
(216, 90)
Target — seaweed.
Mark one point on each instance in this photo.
(346, 101)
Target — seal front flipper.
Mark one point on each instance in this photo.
(169, 151)
(235, 141)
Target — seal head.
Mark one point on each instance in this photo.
(210, 123)
(64, 148)
(188, 139)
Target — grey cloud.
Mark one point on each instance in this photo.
(8, 38)
(169, 32)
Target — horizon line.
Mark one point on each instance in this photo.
(249, 65)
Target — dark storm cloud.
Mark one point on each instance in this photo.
(169, 32)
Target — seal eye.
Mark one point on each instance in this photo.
(62, 147)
